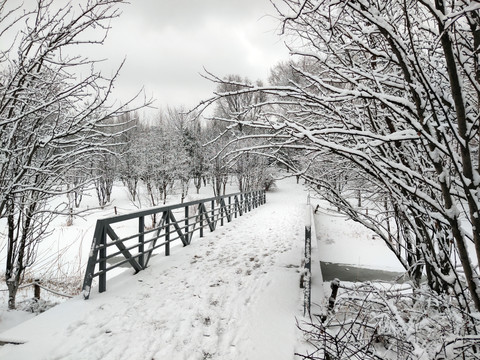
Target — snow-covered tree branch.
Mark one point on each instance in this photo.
(392, 88)
(54, 114)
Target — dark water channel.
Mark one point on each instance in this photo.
(346, 272)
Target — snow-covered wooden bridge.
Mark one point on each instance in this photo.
(234, 294)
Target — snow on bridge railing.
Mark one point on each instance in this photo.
(109, 250)
(307, 261)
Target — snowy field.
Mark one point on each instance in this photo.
(233, 294)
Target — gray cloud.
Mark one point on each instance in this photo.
(167, 44)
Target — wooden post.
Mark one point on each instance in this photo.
(334, 286)
(236, 205)
(36, 289)
(241, 204)
(92, 260)
(187, 235)
(214, 223)
(102, 277)
(200, 210)
(167, 235)
(141, 241)
(221, 211)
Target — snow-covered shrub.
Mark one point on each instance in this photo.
(372, 322)
(269, 182)
(35, 306)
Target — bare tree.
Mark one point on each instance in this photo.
(127, 160)
(393, 88)
(103, 176)
(185, 129)
(197, 154)
(239, 105)
(218, 167)
(53, 112)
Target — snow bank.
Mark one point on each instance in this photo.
(346, 242)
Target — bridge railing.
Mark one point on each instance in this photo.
(307, 263)
(125, 240)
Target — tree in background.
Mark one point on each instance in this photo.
(218, 168)
(103, 175)
(52, 119)
(195, 138)
(185, 128)
(129, 155)
(228, 152)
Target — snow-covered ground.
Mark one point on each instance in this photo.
(344, 241)
(233, 294)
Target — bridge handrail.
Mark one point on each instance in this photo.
(156, 210)
(237, 204)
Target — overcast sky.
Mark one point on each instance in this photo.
(167, 43)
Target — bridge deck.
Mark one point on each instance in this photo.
(233, 294)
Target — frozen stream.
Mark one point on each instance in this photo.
(350, 252)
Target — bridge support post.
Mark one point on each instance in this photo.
(187, 235)
(141, 241)
(201, 220)
(214, 223)
(334, 285)
(229, 210)
(167, 235)
(102, 278)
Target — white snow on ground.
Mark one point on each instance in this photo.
(344, 241)
(233, 294)
(9, 319)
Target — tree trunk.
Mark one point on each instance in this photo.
(108, 189)
(224, 183)
(12, 294)
(11, 252)
(197, 181)
(78, 197)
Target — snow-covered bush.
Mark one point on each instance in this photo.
(35, 306)
(372, 321)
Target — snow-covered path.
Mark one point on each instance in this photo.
(233, 294)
